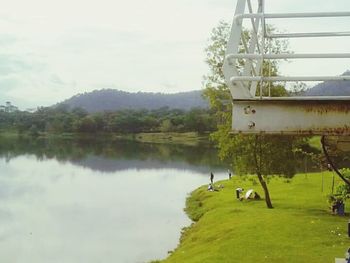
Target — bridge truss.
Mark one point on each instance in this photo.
(254, 113)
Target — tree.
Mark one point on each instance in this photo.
(86, 124)
(262, 155)
(166, 126)
(258, 154)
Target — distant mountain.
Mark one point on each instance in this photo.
(331, 88)
(112, 100)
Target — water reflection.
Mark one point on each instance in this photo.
(111, 156)
(57, 205)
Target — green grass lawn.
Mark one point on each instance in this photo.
(300, 228)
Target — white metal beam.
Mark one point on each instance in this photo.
(229, 68)
(327, 117)
(238, 18)
(249, 68)
(287, 56)
(301, 98)
(315, 34)
(284, 78)
(308, 15)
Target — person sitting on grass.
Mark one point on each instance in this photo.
(239, 190)
(212, 189)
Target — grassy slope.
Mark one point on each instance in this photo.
(299, 229)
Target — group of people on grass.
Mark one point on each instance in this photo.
(250, 194)
(211, 184)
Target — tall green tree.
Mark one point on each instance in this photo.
(262, 155)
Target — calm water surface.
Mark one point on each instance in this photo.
(92, 201)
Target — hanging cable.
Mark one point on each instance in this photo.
(331, 162)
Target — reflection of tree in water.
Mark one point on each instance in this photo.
(111, 155)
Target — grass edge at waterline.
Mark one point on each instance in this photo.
(299, 229)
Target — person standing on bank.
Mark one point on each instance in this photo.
(229, 174)
(211, 177)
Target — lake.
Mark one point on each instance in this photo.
(96, 200)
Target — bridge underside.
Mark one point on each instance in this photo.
(294, 116)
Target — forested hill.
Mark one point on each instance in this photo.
(331, 88)
(112, 100)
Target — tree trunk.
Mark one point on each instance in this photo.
(258, 170)
(266, 191)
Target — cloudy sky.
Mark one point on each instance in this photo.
(51, 50)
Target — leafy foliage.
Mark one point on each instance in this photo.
(63, 119)
(258, 154)
(264, 154)
(342, 192)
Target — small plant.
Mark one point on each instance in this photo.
(344, 189)
(342, 193)
(334, 198)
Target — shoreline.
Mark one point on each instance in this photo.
(186, 138)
